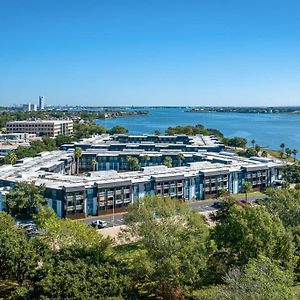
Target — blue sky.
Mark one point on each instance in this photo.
(150, 52)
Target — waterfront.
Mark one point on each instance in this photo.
(269, 130)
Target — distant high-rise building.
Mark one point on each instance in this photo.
(41, 102)
(29, 107)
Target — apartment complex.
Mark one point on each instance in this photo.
(50, 128)
(203, 175)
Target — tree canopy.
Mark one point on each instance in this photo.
(23, 199)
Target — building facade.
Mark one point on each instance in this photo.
(41, 102)
(50, 128)
(101, 192)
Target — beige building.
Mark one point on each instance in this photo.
(50, 128)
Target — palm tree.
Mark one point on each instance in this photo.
(12, 158)
(282, 146)
(247, 188)
(288, 152)
(133, 163)
(180, 157)
(77, 154)
(281, 154)
(146, 158)
(257, 149)
(294, 152)
(168, 162)
(94, 163)
(253, 143)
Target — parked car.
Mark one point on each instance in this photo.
(244, 202)
(99, 224)
(216, 205)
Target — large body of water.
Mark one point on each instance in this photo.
(269, 130)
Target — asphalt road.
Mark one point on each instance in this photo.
(201, 206)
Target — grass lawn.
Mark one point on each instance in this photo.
(252, 194)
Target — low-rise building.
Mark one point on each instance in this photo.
(17, 137)
(101, 192)
(50, 128)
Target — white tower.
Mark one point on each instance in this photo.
(41, 102)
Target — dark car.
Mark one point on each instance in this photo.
(217, 205)
(244, 202)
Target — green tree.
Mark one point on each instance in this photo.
(253, 232)
(260, 279)
(79, 264)
(157, 132)
(253, 143)
(146, 158)
(133, 163)
(118, 130)
(11, 158)
(65, 233)
(180, 158)
(168, 162)
(18, 256)
(237, 142)
(285, 205)
(24, 199)
(285, 185)
(264, 153)
(291, 173)
(174, 243)
(288, 152)
(222, 192)
(94, 164)
(294, 152)
(63, 139)
(247, 188)
(77, 154)
(70, 279)
(257, 149)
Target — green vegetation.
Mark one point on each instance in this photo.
(247, 188)
(168, 162)
(193, 130)
(174, 245)
(133, 163)
(236, 142)
(291, 173)
(260, 279)
(169, 253)
(24, 199)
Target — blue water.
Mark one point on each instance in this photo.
(269, 130)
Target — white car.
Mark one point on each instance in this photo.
(99, 224)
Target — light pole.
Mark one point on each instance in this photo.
(113, 213)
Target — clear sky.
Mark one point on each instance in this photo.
(150, 52)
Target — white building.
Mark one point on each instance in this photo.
(50, 128)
